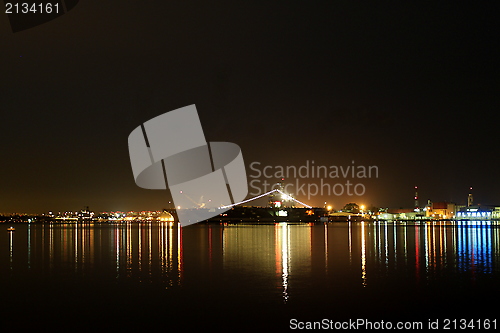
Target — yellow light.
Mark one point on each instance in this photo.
(362, 207)
(329, 208)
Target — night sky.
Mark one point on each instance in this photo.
(411, 88)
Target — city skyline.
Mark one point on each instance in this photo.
(409, 89)
(277, 199)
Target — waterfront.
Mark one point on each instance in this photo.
(102, 275)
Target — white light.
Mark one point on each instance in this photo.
(303, 204)
(282, 213)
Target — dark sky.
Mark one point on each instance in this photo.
(411, 88)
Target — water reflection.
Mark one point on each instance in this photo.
(142, 251)
(282, 258)
(268, 251)
(433, 248)
(363, 255)
(11, 249)
(477, 246)
(282, 244)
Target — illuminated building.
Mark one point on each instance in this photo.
(442, 210)
(477, 213)
(165, 216)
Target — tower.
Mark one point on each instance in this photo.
(470, 199)
(416, 196)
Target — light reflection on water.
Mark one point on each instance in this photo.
(281, 259)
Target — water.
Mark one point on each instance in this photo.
(157, 275)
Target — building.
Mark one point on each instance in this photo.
(402, 214)
(477, 212)
(441, 210)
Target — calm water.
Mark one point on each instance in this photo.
(156, 275)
